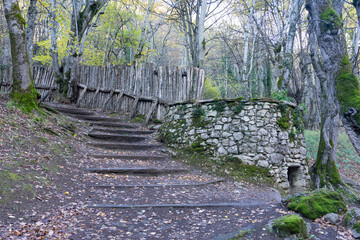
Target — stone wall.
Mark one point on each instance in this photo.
(262, 132)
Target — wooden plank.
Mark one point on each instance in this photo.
(119, 101)
(92, 100)
(152, 109)
(133, 110)
(107, 100)
(82, 94)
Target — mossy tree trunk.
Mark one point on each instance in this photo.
(23, 91)
(325, 30)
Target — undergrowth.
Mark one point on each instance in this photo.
(33, 149)
(226, 167)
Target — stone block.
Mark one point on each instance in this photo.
(263, 163)
(238, 136)
(276, 158)
(221, 151)
(218, 127)
(233, 150)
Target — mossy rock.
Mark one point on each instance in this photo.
(289, 226)
(351, 219)
(357, 227)
(316, 204)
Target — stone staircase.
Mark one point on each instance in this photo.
(127, 170)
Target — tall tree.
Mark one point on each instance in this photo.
(30, 30)
(23, 91)
(81, 21)
(340, 92)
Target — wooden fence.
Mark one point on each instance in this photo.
(144, 89)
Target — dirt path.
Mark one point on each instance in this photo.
(126, 187)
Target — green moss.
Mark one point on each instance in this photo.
(218, 105)
(285, 121)
(328, 173)
(292, 136)
(317, 203)
(225, 167)
(198, 115)
(238, 107)
(197, 147)
(138, 118)
(330, 20)
(357, 227)
(20, 18)
(290, 225)
(242, 234)
(26, 99)
(347, 89)
(290, 117)
(351, 220)
(279, 83)
(277, 48)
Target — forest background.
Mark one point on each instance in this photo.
(300, 51)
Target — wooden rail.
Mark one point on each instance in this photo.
(141, 89)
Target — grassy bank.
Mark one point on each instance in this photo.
(348, 160)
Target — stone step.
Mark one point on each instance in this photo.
(114, 124)
(158, 185)
(122, 131)
(201, 205)
(145, 171)
(72, 111)
(125, 146)
(97, 118)
(118, 137)
(130, 157)
(77, 111)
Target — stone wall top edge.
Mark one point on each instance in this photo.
(253, 100)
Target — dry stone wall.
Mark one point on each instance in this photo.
(265, 133)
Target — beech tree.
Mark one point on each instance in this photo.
(23, 90)
(81, 22)
(340, 91)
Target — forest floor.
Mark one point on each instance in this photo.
(45, 192)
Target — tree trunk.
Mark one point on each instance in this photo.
(201, 38)
(23, 91)
(325, 29)
(244, 71)
(293, 19)
(82, 17)
(30, 30)
(54, 49)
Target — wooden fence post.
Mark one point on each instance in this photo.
(107, 100)
(93, 99)
(133, 110)
(81, 96)
(152, 109)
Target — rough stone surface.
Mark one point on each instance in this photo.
(252, 135)
(351, 218)
(332, 218)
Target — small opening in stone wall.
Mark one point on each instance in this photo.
(295, 179)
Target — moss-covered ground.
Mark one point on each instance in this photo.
(228, 168)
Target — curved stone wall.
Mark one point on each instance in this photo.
(265, 133)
